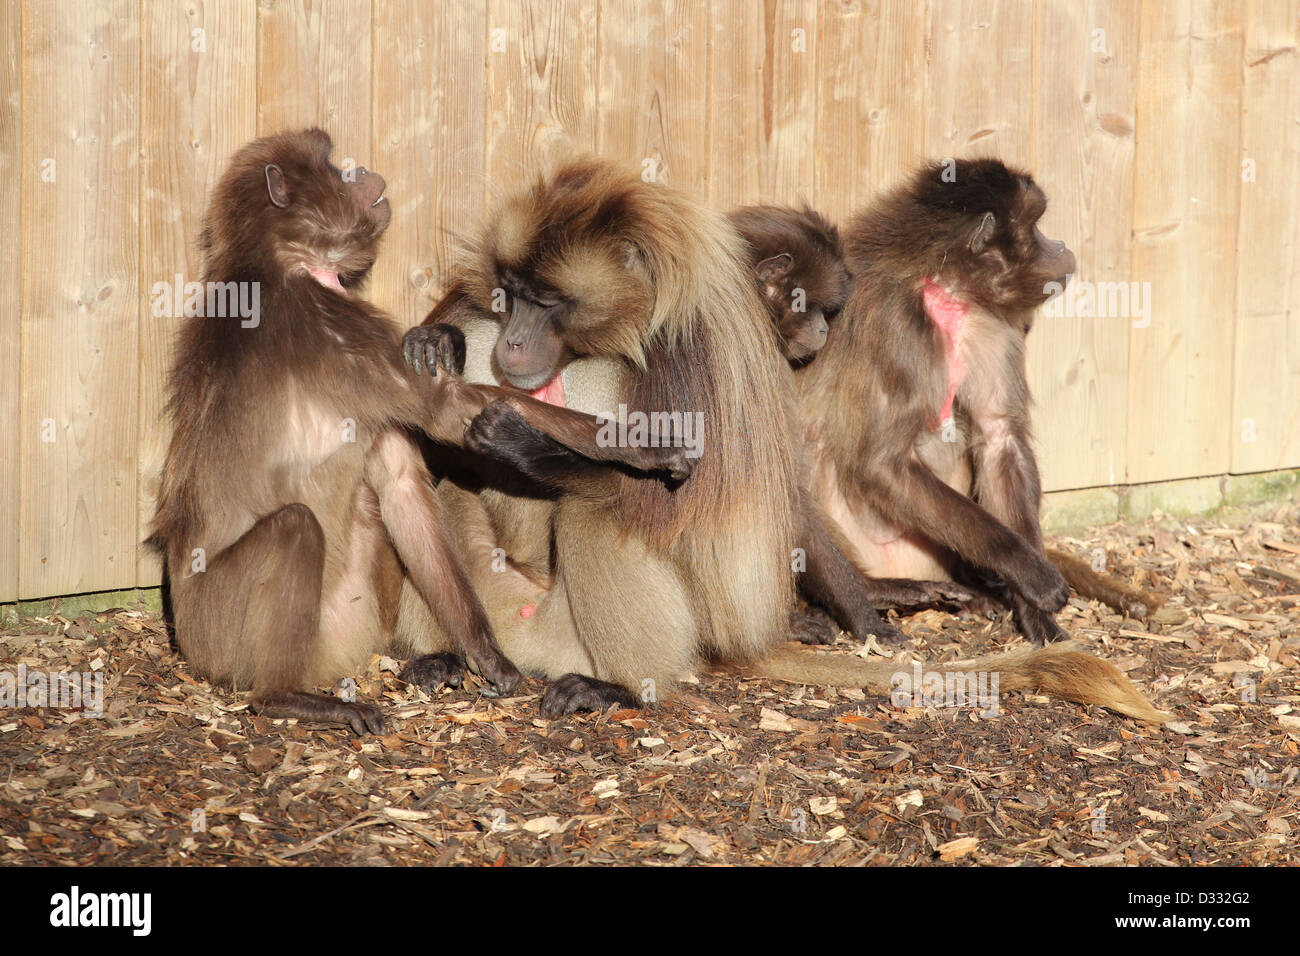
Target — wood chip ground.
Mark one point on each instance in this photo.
(732, 771)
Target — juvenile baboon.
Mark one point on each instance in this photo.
(293, 501)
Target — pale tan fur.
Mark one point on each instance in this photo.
(624, 584)
(651, 584)
(1058, 670)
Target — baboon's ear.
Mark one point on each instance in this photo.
(983, 234)
(276, 187)
(774, 267)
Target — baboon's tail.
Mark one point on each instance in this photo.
(1058, 670)
(1107, 589)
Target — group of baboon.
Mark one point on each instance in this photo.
(837, 424)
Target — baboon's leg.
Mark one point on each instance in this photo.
(410, 512)
(253, 617)
(632, 613)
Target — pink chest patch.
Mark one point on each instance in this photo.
(948, 313)
(329, 280)
(552, 393)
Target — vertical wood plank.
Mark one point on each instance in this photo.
(11, 167)
(871, 99)
(198, 105)
(979, 82)
(652, 97)
(1140, 148)
(314, 70)
(541, 86)
(1265, 429)
(763, 92)
(1085, 87)
(429, 140)
(1185, 209)
(80, 257)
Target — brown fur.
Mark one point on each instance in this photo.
(800, 250)
(1058, 670)
(914, 496)
(1105, 588)
(649, 575)
(633, 594)
(289, 464)
(796, 258)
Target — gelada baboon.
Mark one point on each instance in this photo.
(293, 502)
(637, 576)
(798, 261)
(917, 409)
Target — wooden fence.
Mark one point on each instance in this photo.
(1166, 132)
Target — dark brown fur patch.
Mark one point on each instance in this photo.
(805, 235)
(218, 367)
(922, 230)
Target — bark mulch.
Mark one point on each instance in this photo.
(732, 770)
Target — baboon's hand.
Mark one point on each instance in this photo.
(681, 466)
(1039, 583)
(452, 405)
(358, 715)
(363, 718)
(495, 667)
(982, 607)
(574, 692)
(811, 627)
(882, 631)
(671, 456)
(672, 460)
(433, 671)
(950, 591)
(1039, 626)
(436, 348)
(499, 429)
(932, 592)
(904, 592)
